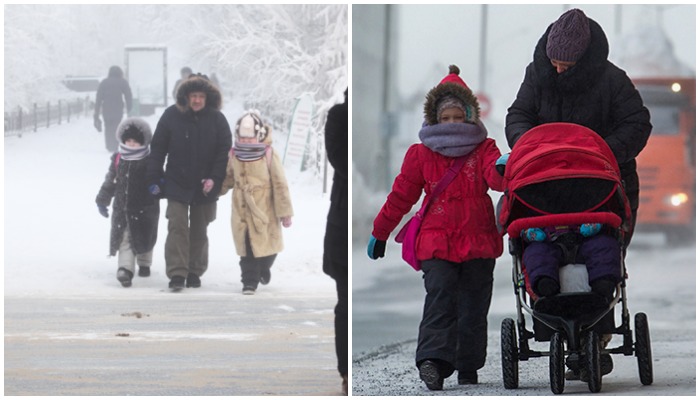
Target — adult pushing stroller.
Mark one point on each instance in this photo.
(565, 174)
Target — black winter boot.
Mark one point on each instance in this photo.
(125, 276)
(430, 374)
(144, 271)
(193, 281)
(604, 287)
(547, 287)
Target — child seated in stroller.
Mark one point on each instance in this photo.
(550, 248)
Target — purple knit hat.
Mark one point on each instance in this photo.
(569, 36)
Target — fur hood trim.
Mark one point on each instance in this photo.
(448, 89)
(198, 84)
(139, 124)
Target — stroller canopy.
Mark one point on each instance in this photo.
(561, 168)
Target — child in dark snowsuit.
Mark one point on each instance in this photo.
(135, 211)
(553, 247)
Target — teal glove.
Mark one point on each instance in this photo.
(533, 235)
(588, 230)
(501, 163)
(375, 248)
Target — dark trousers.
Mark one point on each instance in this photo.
(187, 244)
(600, 253)
(251, 266)
(454, 326)
(341, 323)
(111, 142)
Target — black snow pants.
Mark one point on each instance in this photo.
(454, 326)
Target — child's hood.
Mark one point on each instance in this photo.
(137, 123)
(451, 85)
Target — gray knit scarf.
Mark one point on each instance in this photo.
(132, 154)
(249, 151)
(453, 139)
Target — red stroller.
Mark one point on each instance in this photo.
(562, 174)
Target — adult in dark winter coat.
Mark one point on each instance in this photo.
(196, 138)
(335, 242)
(571, 80)
(135, 212)
(112, 94)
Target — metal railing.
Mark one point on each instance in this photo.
(21, 120)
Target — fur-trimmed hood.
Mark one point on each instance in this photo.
(450, 88)
(586, 70)
(198, 83)
(139, 124)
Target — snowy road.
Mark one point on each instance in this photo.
(387, 306)
(188, 343)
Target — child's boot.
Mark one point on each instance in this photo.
(547, 287)
(430, 374)
(467, 378)
(125, 276)
(144, 271)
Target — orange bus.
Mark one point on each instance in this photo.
(666, 166)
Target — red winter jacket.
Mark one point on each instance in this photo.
(460, 224)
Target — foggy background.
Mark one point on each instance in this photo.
(264, 56)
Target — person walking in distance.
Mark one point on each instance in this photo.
(113, 94)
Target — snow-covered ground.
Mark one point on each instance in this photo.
(56, 246)
(57, 242)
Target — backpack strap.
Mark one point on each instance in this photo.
(446, 180)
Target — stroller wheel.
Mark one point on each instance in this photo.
(642, 349)
(556, 363)
(592, 348)
(509, 354)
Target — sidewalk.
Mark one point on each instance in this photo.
(162, 343)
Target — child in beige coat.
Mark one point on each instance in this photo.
(260, 202)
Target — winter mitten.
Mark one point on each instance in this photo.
(375, 248)
(98, 124)
(588, 230)
(533, 235)
(103, 210)
(154, 189)
(501, 163)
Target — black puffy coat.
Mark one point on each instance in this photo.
(335, 243)
(113, 93)
(196, 145)
(593, 93)
(133, 205)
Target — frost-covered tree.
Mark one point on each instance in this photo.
(266, 55)
(44, 43)
(271, 54)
